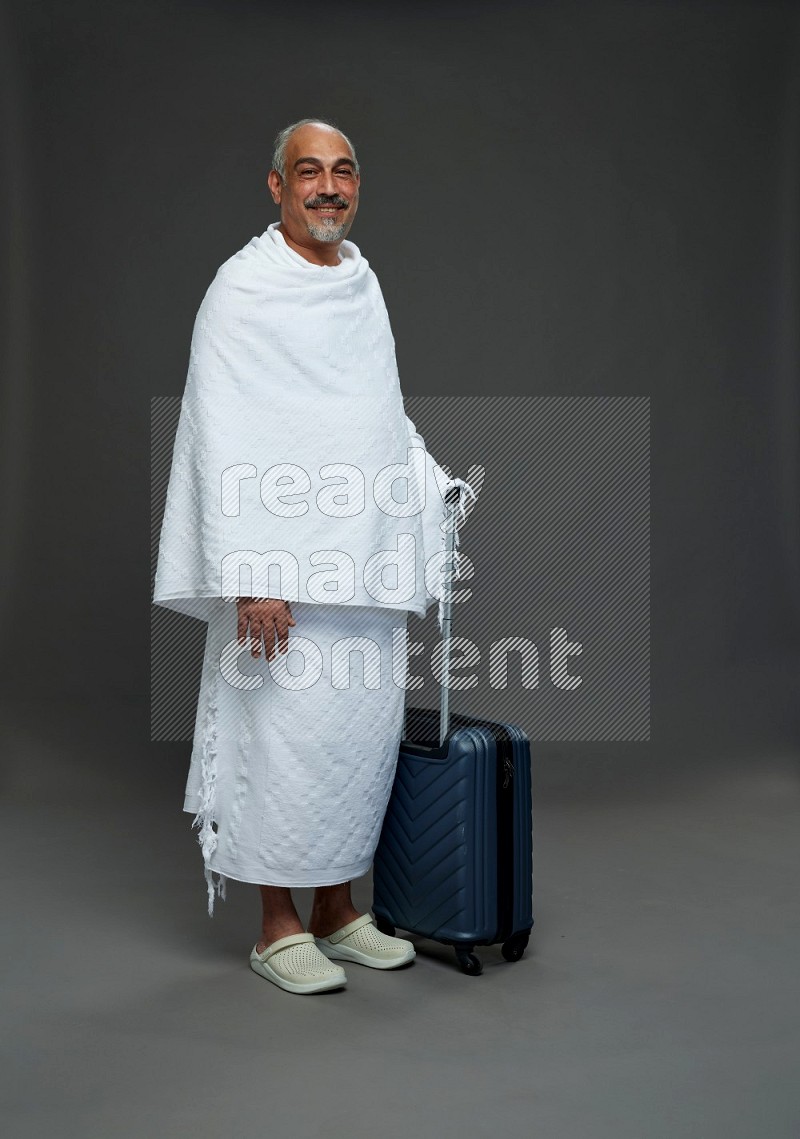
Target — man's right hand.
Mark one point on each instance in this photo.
(265, 617)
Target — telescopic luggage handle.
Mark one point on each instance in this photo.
(454, 499)
(446, 610)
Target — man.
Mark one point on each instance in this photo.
(293, 377)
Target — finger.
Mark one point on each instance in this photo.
(283, 635)
(241, 626)
(269, 638)
(255, 635)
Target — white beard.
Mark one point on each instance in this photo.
(327, 229)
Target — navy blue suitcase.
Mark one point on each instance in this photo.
(454, 861)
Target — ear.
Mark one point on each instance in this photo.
(275, 186)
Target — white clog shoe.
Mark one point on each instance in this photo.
(295, 964)
(360, 940)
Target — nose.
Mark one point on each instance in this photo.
(326, 184)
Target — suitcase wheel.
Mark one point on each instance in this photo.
(513, 949)
(468, 963)
(384, 926)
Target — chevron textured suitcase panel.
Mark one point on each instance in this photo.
(454, 861)
(435, 866)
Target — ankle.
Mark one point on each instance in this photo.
(324, 921)
(276, 930)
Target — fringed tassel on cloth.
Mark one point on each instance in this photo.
(219, 886)
(205, 816)
(461, 513)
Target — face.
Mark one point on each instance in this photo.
(319, 196)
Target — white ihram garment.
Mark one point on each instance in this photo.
(293, 438)
(292, 375)
(302, 777)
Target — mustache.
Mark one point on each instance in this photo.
(335, 201)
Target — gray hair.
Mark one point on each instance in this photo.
(282, 138)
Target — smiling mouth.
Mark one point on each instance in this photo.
(327, 209)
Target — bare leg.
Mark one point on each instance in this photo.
(333, 908)
(280, 916)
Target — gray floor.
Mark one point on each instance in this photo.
(658, 996)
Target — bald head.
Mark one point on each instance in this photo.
(279, 156)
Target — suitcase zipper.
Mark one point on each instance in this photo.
(505, 842)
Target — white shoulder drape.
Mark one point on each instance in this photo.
(291, 419)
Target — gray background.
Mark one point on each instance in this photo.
(558, 199)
